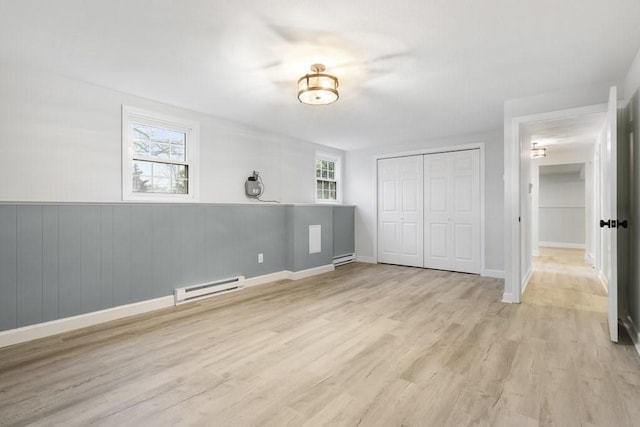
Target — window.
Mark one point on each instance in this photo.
(160, 154)
(327, 178)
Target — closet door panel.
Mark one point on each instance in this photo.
(437, 236)
(452, 211)
(465, 214)
(463, 242)
(400, 211)
(409, 239)
(388, 211)
(410, 171)
(388, 244)
(438, 246)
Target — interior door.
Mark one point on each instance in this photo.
(465, 214)
(400, 211)
(437, 208)
(609, 208)
(452, 211)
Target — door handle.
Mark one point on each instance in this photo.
(612, 223)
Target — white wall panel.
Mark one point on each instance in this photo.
(63, 137)
(561, 212)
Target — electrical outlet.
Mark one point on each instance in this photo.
(260, 258)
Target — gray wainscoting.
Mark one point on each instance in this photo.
(343, 231)
(298, 220)
(58, 261)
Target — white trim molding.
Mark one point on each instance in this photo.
(191, 129)
(54, 327)
(561, 245)
(337, 160)
(526, 280)
(508, 298)
(266, 278)
(41, 330)
(297, 275)
(512, 181)
(496, 274)
(603, 281)
(366, 259)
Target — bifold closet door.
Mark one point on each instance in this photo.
(452, 211)
(400, 211)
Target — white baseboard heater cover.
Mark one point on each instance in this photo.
(190, 293)
(344, 259)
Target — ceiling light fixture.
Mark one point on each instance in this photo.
(538, 152)
(318, 88)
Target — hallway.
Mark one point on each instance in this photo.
(562, 278)
(577, 374)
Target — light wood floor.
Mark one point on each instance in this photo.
(562, 278)
(366, 345)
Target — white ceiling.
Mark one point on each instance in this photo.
(408, 69)
(574, 133)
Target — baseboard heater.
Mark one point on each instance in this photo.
(343, 259)
(190, 293)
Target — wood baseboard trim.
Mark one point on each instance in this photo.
(562, 245)
(266, 278)
(603, 281)
(297, 275)
(366, 259)
(507, 297)
(496, 274)
(58, 326)
(526, 280)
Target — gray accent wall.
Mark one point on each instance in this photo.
(58, 261)
(343, 230)
(299, 218)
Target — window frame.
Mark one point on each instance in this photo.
(337, 161)
(191, 130)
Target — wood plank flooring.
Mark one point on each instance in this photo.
(366, 345)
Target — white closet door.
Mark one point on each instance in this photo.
(452, 211)
(400, 211)
(437, 208)
(465, 215)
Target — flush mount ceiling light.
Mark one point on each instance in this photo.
(318, 88)
(538, 152)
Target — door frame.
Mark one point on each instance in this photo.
(513, 278)
(420, 152)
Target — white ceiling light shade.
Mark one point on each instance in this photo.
(538, 152)
(318, 88)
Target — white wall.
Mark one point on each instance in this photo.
(360, 190)
(583, 155)
(632, 79)
(61, 142)
(562, 210)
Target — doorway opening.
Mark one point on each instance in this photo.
(559, 238)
